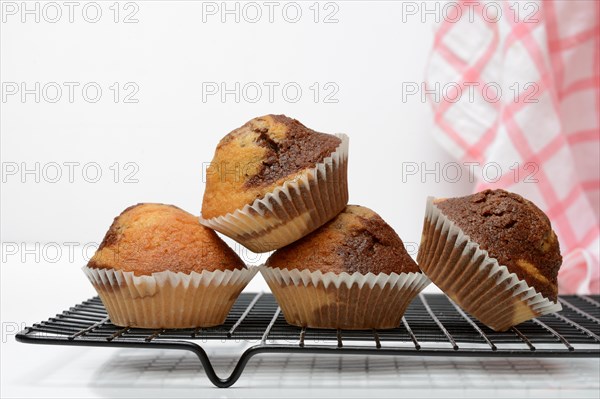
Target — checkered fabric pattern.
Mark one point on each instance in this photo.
(518, 96)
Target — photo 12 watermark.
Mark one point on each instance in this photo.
(55, 12)
(69, 92)
(11, 328)
(412, 248)
(517, 11)
(239, 172)
(454, 172)
(471, 92)
(69, 172)
(73, 252)
(48, 252)
(253, 12)
(270, 92)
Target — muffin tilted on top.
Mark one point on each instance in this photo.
(352, 273)
(158, 267)
(495, 254)
(273, 180)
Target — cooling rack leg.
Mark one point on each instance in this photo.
(210, 371)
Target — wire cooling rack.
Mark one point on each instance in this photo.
(432, 326)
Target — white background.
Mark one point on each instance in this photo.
(171, 131)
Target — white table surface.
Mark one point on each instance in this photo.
(33, 291)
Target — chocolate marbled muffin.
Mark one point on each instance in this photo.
(351, 273)
(495, 254)
(274, 180)
(158, 267)
(357, 240)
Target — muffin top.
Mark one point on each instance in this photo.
(150, 238)
(514, 231)
(356, 241)
(254, 159)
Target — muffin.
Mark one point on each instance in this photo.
(273, 180)
(158, 267)
(352, 273)
(495, 254)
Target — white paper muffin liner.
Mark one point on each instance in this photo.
(347, 301)
(473, 279)
(169, 299)
(292, 210)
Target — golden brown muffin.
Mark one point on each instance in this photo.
(357, 240)
(158, 267)
(273, 180)
(351, 273)
(151, 238)
(495, 254)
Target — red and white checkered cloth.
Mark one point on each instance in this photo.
(542, 130)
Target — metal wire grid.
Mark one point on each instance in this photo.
(432, 326)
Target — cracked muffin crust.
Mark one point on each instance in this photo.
(158, 267)
(150, 238)
(273, 181)
(514, 231)
(494, 254)
(252, 160)
(309, 280)
(357, 240)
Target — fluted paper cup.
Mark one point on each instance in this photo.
(168, 299)
(292, 210)
(347, 301)
(473, 279)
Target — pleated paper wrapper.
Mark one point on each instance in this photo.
(292, 210)
(168, 299)
(346, 301)
(473, 279)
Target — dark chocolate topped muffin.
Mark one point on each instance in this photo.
(514, 231)
(357, 240)
(494, 253)
(291, 147)
(273, 180)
